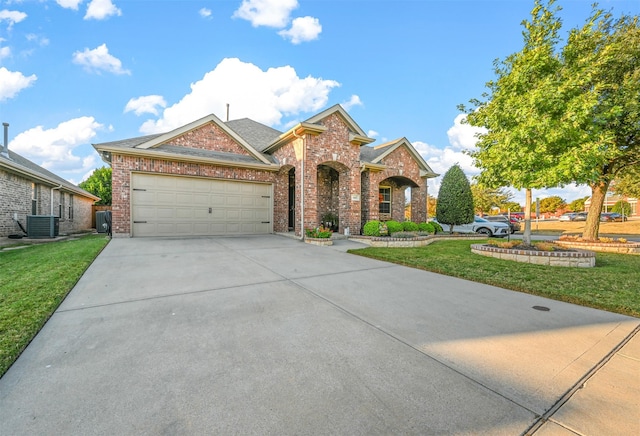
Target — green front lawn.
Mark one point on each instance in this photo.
(33, 282)
(613, 285)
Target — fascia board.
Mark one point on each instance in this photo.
(194, 125)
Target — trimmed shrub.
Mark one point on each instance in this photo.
(455, 200)
(436, 226)
(426, 228)
(371, 228)
(394, 226)
(409, 226)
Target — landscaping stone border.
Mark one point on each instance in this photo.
(603, 247)
(418, 241)
(318, 241)
(578, 258)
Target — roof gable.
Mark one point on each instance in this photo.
(351, 124)
(166, 138)
(376, 155)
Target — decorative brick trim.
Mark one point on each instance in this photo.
(603, 247)
(418, 241)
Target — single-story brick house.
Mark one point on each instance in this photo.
(211, 177)
(28, 189)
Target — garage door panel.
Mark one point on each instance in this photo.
(165, 205)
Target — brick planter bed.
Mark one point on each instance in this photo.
(418, 241)
(318, 241)
(604, 247)
(578, 258)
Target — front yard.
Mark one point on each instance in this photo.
(33, 282)
(613, 285)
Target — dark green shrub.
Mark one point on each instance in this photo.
(455, 200)
(436, 226)
(426, 228)
(622, 207)
(394, 226)
(372, 228)
(409, 226)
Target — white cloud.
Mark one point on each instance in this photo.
(302, 29)
(205, 13)
(101, 9)
(69, 4)
(353, 101)
(12, 82)
(270, 13)
(12, 17)
(54, 148)
(463, 136)
(372, 134)
(5, 52)
(41, 41)
(264, 96)
(99, 59)
(147, 104)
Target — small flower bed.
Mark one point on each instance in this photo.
(518, 245)
(318, 233)
(395, 229)
(601, 240)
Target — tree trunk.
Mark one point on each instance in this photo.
(526, 238)
(592, 226)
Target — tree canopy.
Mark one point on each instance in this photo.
(99, 184)
(578, 204)
(455, 201)
(559, 115)
(485, 199)
(552, 204)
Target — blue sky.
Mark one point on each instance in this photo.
(77, 72)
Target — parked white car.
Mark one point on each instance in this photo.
(482, 226)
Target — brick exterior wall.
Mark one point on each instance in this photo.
(327, 177)
(122, 167)
(17, 193)
(209, 137)
(400, 166)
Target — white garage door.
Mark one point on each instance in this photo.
(185, 206)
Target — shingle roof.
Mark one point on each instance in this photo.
(16, 161)
(368, 154)
(196, 152)
(255, 133)
(131, 142)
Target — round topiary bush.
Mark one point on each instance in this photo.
(409, 226)
(427, 228)
(371, 228)
(394, 226)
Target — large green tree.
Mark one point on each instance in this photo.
(519, 139)
(578, 204)
(455, 201)
(99, 184)
(601, 91)
(557, 116)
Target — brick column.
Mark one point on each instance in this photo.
(419, 203)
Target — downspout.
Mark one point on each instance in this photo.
(301, 186)
(53, 189)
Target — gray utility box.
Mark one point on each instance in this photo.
(43, 226)
(101, 221)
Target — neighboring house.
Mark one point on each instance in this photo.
(28, 189)
(611, 199)
(211, 177)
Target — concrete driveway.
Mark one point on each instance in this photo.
(268, 335)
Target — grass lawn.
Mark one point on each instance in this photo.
(612, 285)
(33, 282)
